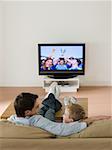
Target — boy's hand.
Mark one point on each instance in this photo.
(66, 119)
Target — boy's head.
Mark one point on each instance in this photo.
(73, 112)
(76, 112)
(26, 104)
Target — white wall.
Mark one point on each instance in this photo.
(28, 23)
(111, 43)
(1, 44)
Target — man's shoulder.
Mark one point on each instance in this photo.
(18, 120)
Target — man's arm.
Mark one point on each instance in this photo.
(60, 129)
(90, 120)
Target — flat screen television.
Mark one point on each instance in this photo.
(61, 60)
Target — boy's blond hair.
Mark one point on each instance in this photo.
(76, 112)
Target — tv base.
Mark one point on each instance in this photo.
(62, 76)
(66, 85)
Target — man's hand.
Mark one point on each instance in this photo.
(90, 120)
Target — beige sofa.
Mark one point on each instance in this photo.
(98, 136)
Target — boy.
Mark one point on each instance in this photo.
(73, 111)
(26, 106)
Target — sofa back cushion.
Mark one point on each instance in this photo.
(101, 129)
(11, 130)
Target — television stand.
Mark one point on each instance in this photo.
(66, 85)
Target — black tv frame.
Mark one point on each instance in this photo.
(59, 73)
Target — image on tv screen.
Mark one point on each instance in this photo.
(61, 58)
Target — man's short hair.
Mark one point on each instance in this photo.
(77, 112)
(23, 102)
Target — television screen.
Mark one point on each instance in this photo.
(61, 59)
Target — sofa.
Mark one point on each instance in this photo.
(98, 136)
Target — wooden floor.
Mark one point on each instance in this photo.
(99, 98)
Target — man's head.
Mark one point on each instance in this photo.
(26, 104)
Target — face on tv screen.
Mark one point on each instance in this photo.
(61, 58)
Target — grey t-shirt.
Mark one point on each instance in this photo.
(60, 129)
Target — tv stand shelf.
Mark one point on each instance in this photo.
(66, 85)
